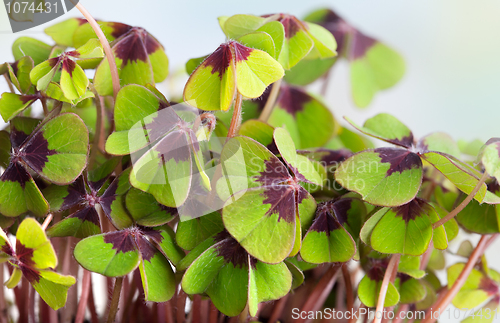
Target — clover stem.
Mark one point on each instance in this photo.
(326, 82)
(44, 106)
(278, 309)
(91, 304)
(390, 274)
(47, 221)
(319, 294)
(236, 120)
(115, 79)
(399, 316)
(115, 300)
(9, 83)
(348, 287)
(84, 297)
(31, 304)
(464, 203)
(98, 143)
(3, 309)
(443, 302)
(271, 100)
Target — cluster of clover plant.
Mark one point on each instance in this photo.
(243, 201)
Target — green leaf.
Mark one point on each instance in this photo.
(213, 85)
(325, 45)
(369, 289)
(53, 288)
(111, 30)
(80, 224)
(471, 294)
(309, 121)
(32, 237)
(238, 25)
(410, 266)
(5, 149)
(259, 40)
(62, 33)
(479, 218)
(308, 70)
(42, 74)
(383, 176)
(485, 314)
(165, 243)
(193, 63)
(146, 211)
(440, 142)
(112, 254)
(410, 290)
(462, 175)
(193, 232)
(12, 104)
(19, 73)
(27, 46)
(74, 82)
(490, 157)
(386, 127)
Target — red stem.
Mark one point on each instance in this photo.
(236, 120)
(214, 313)
(91, 304)
(278, 309)
(84, 297)
(348, 287)
(452, 292)
(389, 273)
(115, 300)
(321, 291)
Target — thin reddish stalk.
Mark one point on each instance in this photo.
(31, 305)
(389, 273)
(9, 83)
(321, 291)
(181, 305)
(271, 100)
(398, 317)
(452, 292)
(348, 287)
(115, 79)
(91, 304)
(47, 221)
(98, 143)
(464, 203)
(214, 313)
(236, 120)
(115, 300)
(84, 297)
(326, 82)
(353, 318)
(196, 309)
(3, 308)
(278, 309)
(169, 315)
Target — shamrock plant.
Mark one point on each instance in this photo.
(242, 195)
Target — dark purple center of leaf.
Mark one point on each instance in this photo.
(146, 249)
(76, 194)
(31, 274)
(219, 60)
(108, 197)
(119, 29)
(174, 146)
(154, 235)
(290, 24)
(122, 241)
(493, 186)
(241, 52)
(162, 123)
(293, 99)
(488, 285)
(16, 173)
(68, 65)
(88, 214)
(24, 254)
(377, 270)
(410, 211)
(135, 46)
(360, 44)
(29, 98)
(282, 200)
(36, 152)
(7, 249)
(399, 159)
(232, 251)
(275, 172)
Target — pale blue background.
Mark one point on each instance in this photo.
(451, 47)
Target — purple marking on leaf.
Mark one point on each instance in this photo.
(16, 173)
(72, 53)
(6, 248)
(88, 214)
(410, 211)
(292, 99)
(175, 147)
(76, 194)
(324, 221)
(489, 286)
(377, 270)
(341, 209)
(261, 100)
(36, 152)
(81, 21)
(241, 52)
(327, 157)
(151, 44)
(30, 273)
(219, 60)
(337, 26)
(24, 254)
(69, 66)
(54, 61)
(119, 29)
(360, 44)
(275, 172)
(14, 67)
(131, 47)
(291, 25)
(145, 247)
(493, 186)
(108, 197)
(153, 234)
(403, 277)
(282, 200)
(400, 159)
(29, 98)
(231, 250)
(122, 241)
(162, 123)
(17, 136)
